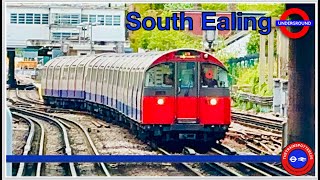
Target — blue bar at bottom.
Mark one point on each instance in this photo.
(144, 158)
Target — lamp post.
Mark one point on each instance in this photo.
(210, 37)
(80, 28)
(84, 27)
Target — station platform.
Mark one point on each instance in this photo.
(38, 87)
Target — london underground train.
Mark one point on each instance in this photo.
(175, 96)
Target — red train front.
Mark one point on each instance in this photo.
(186, 97)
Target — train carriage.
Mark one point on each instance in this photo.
(177, 96)
(50, 77)
(56, 76)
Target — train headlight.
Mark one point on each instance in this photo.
(160, 101)
(213, 101)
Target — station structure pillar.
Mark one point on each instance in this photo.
(11, 77)
(301, 83)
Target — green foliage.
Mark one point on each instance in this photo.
(224, 56)
(162, 40)
(247, 76)
(257, 7)
(253, 46)
(158, 6)
(254, 43)
(18, 52)
(215, 6)
(166, 40)
(257, 108)
(250, 76)
(249, 105)
(178, 6)
(277, 11)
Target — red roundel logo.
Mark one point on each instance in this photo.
(297, 158)
(303, 31)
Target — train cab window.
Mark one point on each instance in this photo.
(161, 75)
(186, 74)
(213, 76)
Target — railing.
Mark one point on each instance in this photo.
(264, 104)
(278, 103)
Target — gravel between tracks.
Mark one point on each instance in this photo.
(114, 140)
(20, 135)
(79, 147)
(53, 146)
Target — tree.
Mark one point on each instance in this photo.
(178, 6)
(215, 6)
(166, 40)
(162, 40)
(258, 7)
(232, 7)
(254, 42)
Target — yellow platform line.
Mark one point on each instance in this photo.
(40, 94)
(38, 86)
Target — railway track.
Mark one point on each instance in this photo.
(27, 98)
(228, 169)
(257, 141)
(260, 169)
(257, 121)
(75, 146)
(257, 133)
(220, 169)
(74, 129)
(33, 146)
(183, 166)
(217, 169)
(31, 95)
(53, 140)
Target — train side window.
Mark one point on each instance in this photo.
(49, 73)
(56, 74)
(93, 75)
(99, 75)
(65, 73)
(104, 81)
(161, 75)
(88, 75)
(72, 73)
(79, 72)
(213, 76)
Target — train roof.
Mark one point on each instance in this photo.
(145, 60)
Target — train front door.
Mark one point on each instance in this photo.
(186, 93)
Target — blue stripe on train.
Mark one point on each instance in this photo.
(105, 100)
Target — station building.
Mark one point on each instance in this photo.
(73, 28)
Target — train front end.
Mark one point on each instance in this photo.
(186, 98)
